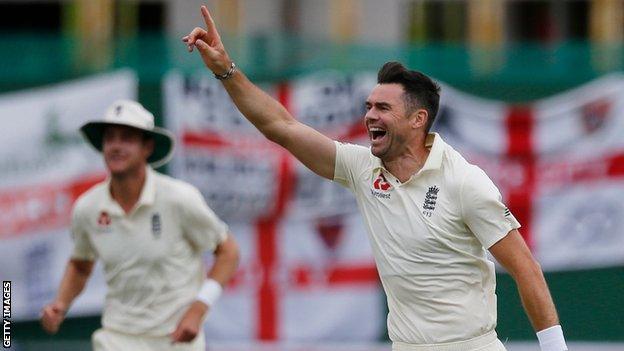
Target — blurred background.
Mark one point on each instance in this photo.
(532, 92)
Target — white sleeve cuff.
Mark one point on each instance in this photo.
(209, 292)
(551, 339)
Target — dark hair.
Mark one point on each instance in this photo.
(147, 136)
(420, 90)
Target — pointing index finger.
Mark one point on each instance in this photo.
(210, 25)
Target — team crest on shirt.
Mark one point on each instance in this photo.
(156, 225)
(381, 186)
(104, 221)
(430, 200)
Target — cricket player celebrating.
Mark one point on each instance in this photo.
(149, 231)
(430, 214)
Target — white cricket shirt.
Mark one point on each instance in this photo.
(429, 237)
(152, 257)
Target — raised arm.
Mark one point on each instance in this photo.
(74, 280)
(313, 149)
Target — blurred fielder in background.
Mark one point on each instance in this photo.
(149, 231)
(430, 214)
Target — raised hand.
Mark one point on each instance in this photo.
(208, 43)
(52, 316)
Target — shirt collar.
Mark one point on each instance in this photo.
(434, 159)
(148, 195)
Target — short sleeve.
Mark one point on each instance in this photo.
(201, 226)
(483, 210)
(83, 249)
(350, 160)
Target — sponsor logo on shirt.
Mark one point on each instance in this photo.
(104, 221)
(430, 200)
(507, 212)
(156, 225)
(381, 186)
(379, 194)
(381, 183)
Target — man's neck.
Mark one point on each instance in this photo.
(126, 188)
(410, 161)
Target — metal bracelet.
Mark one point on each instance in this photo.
(227, 74)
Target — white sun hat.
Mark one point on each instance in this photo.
(132, 114)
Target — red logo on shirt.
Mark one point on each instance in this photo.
(104, 220)
(381, 183)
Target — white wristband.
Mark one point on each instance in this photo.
(209, 292)
(551, 339)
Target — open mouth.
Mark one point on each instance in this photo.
(377, 133)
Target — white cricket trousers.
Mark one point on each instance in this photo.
(486, 342)
(110, 340)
